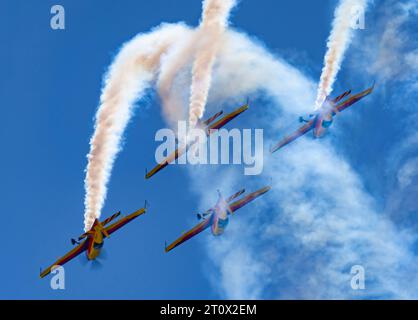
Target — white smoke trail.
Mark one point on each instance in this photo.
(305, 236)
(172, 65)
(130, 74)
(208, 40)
(338, 42)
(325, 232)
(199, 46)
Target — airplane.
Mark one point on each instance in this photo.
(94, 238)
(323, 118)
(209, 128)
(217, 217)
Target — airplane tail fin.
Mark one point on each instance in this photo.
(211, 119)
(85, 234)
(218, 114)
(340, 97)
(111, 218)
(235, 195)
(227, 118)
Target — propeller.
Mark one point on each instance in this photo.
(96, 264)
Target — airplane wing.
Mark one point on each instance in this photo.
(252, 196)
(172, 157)
(123, 221)
(180, 151)
(352, 100)
(70, 255)
(298, 133)
(204, 224)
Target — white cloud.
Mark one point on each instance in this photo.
(300, 239)
(392, 48)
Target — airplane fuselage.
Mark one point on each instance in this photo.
(94, 245)
(219, 225)
(220, 217)
(323, 120)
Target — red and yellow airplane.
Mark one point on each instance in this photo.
(218, 217)
(94, 239)
(323, 118)
(209, 130)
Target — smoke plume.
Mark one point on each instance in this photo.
(129, 76)
(208, 37)
(163, 53)
(341, 34)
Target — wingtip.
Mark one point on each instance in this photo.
(219, 192)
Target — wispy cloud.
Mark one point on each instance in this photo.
(392, 46)
(301, 239)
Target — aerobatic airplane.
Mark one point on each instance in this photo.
(209, 128)
(323, 118)
(218, 217)
(94, 238)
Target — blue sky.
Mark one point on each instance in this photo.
(50, 90)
